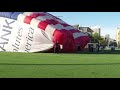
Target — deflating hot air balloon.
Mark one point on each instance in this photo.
(37, 32)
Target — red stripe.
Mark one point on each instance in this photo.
(51, 21)
(65, 25)
(34, 15)
(54, 22)
(74, 31)
(56, 31)
(71, 30)
(28, 19)
(58, 36)
(42, 25)
(41, 14)
(51, 15)
(82, 40)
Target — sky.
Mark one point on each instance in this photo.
(107, 21)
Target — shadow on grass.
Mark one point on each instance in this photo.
(59, 64)
(87, 52)
(97, 52)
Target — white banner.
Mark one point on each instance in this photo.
(21, 37)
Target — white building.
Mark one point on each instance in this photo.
(86, 30)
(96, 29)
(76, 26)
(118, 36)
(83, 29)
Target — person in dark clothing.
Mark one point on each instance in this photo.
(79, 49)
(56, 47)
(90, 47)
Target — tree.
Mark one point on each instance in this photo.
(97, 39)
(103, 42)
(96, 36)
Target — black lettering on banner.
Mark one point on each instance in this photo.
(16, 47)
(3, 36)
(7, 29)
(2, 47)
(28, 47)
(8, 24)
(32, 30)
(20, 32)
(43, 32)
(18, 39)
(29, 40)
(15, 50)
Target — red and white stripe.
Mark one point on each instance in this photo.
(48, 23)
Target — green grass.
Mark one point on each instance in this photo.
(49, 65)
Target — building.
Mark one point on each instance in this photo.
(76, 26)
(83, 29)
(96, 30)
(118, 37)
(107, 36)
(86, 30)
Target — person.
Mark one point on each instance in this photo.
(56, 47)
(79, 49)
(92, 48)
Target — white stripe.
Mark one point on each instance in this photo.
(50, 29)
(43, 18)
(34, 22)
(57, 19)
(60, 27)
(41, 13)
(28, 13)
(60, 21)
(41, 47)
(48, 16)
(76, 35)
(69, 27)
(21, 18)
(49, 36)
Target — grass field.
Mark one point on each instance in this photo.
(49, 65)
